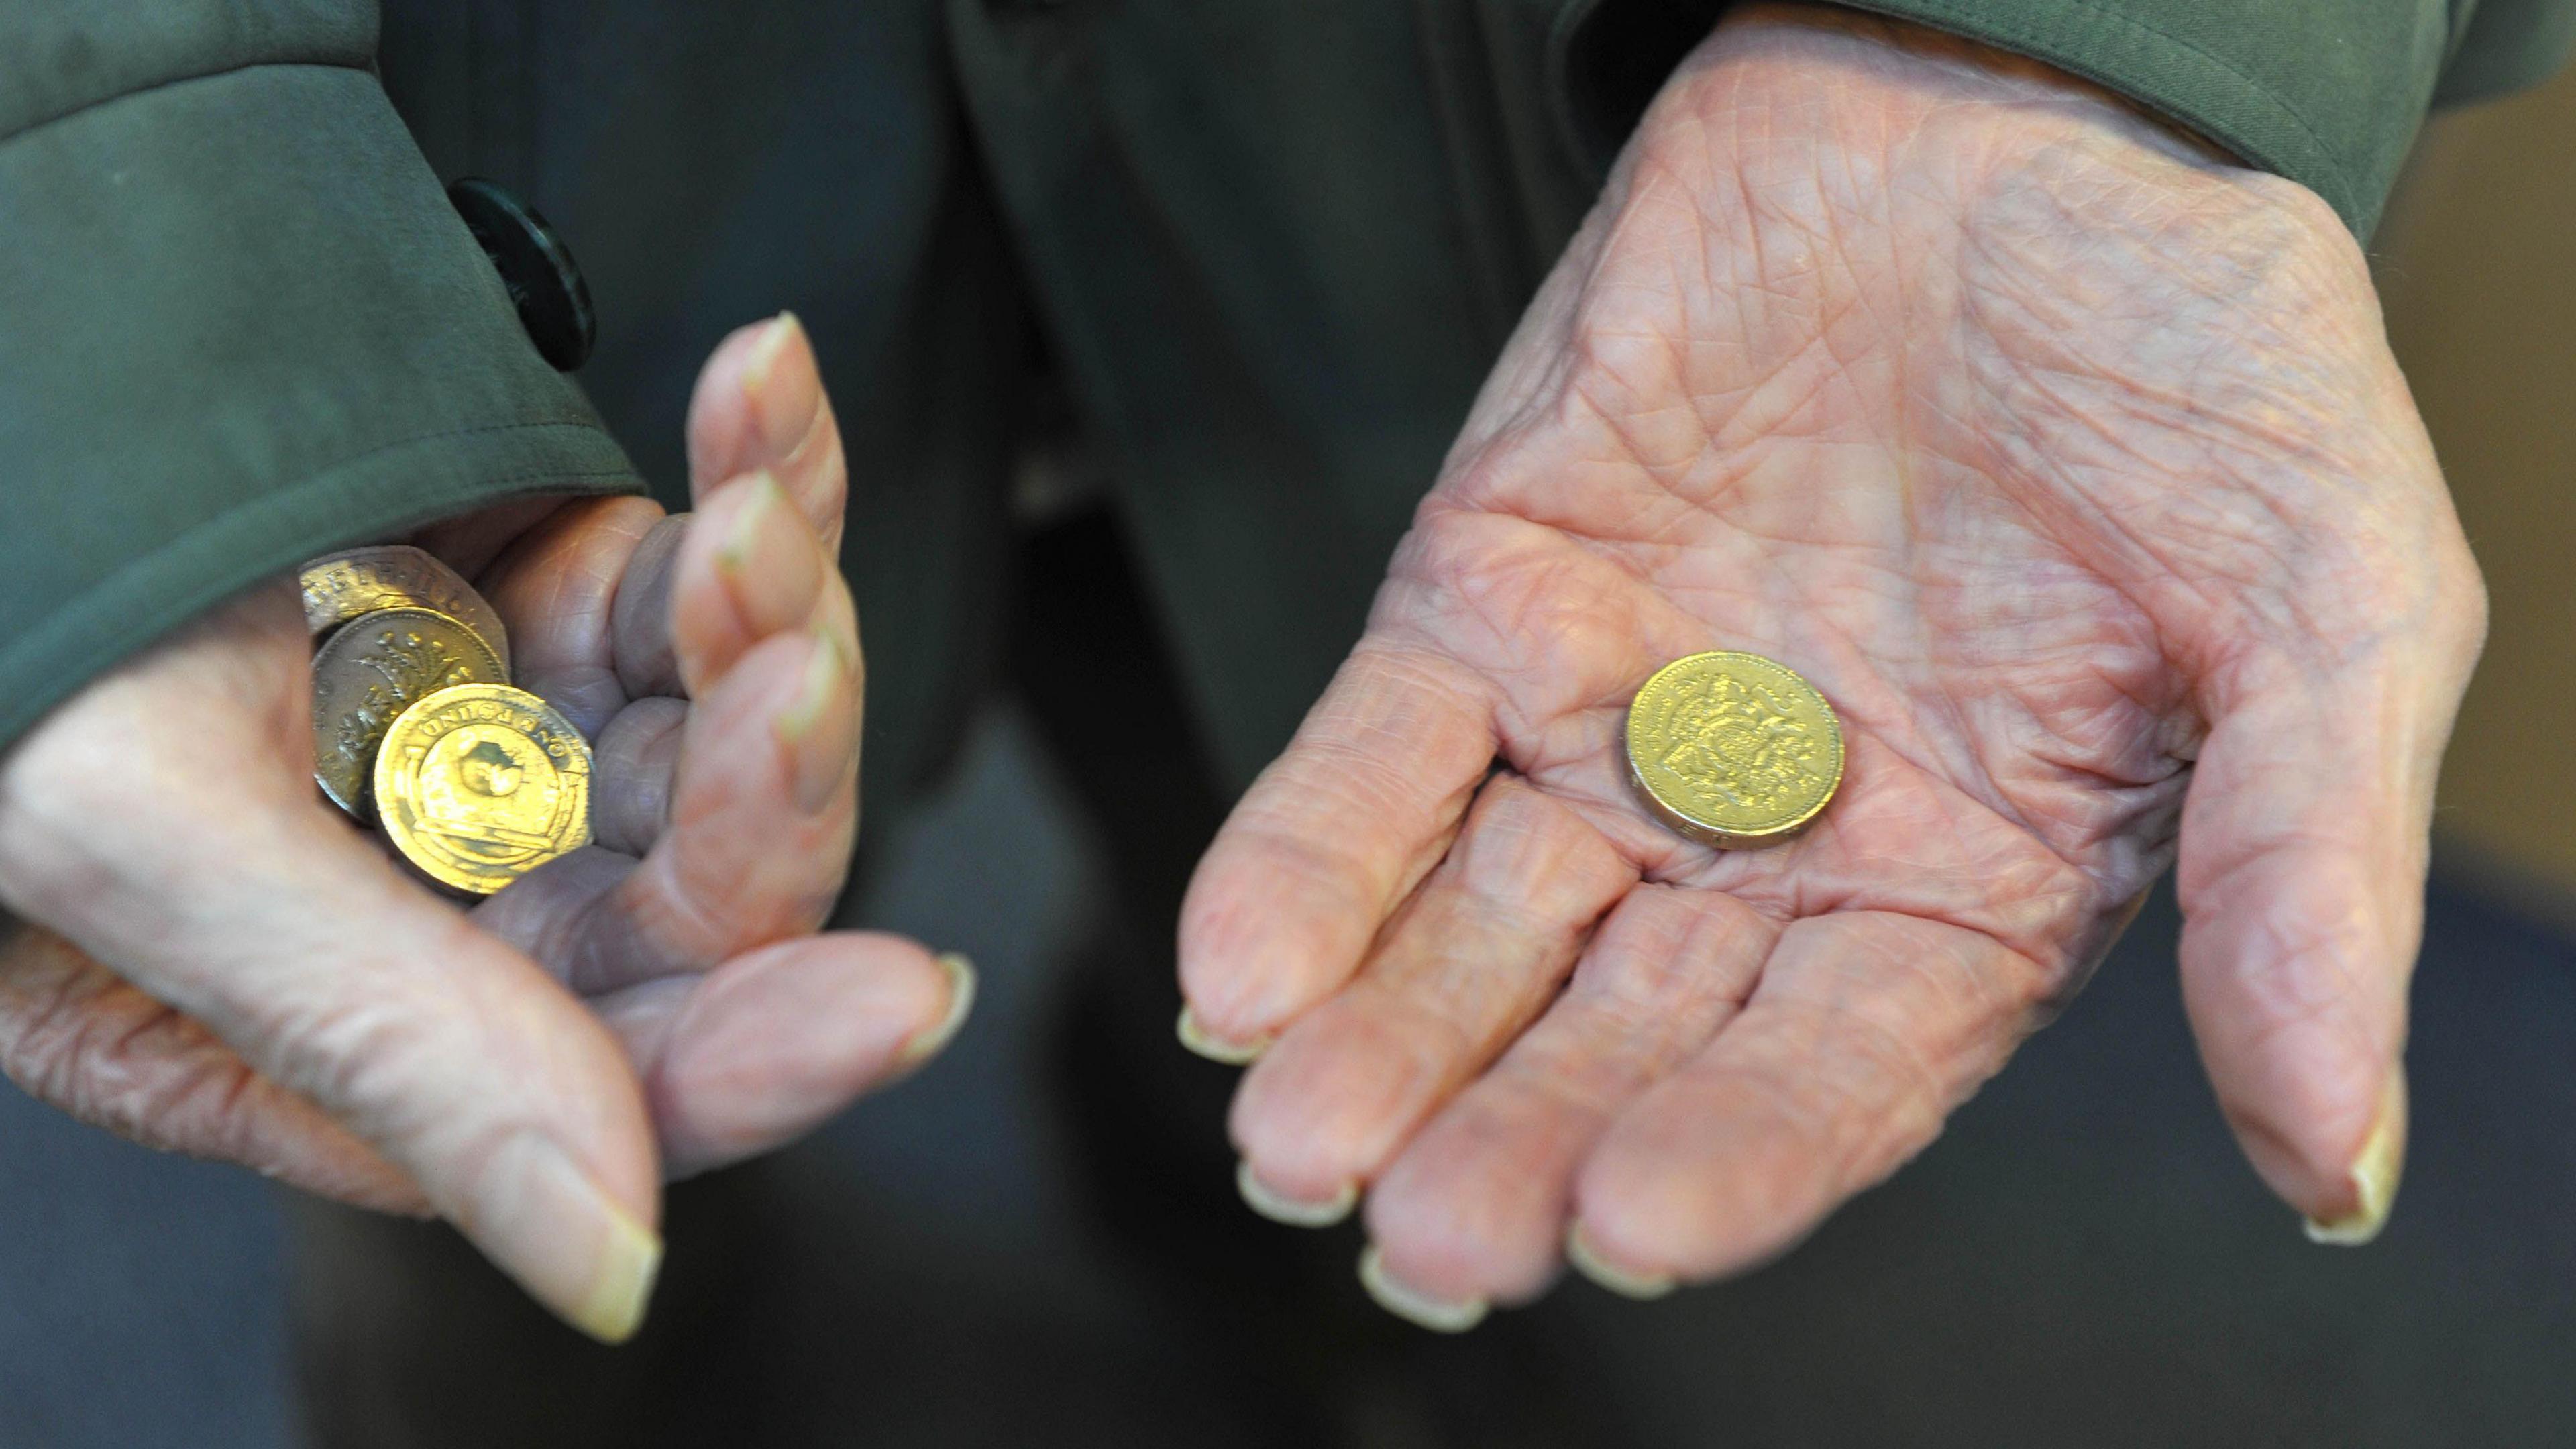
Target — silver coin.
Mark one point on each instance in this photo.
(374, 668)
(362, 581)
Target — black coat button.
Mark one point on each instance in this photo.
(544, 281)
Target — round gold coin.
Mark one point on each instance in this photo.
(480, 784)
(362, 581)
(373, 670)
(1733, 749)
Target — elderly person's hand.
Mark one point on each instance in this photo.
(210, 958)
(2070, 463)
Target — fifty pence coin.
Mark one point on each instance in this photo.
(346, 586)
(479, 784)
(1734, 750)
(373, 670)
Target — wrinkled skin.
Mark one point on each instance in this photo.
(215, 961)
(2070, 463)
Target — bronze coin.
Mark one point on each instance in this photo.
(372, 670)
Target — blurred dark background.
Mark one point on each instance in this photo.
(2084, 1259)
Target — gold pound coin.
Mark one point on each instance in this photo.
(362, 581)
(1734, 750)
(480, 784)
(373, 670)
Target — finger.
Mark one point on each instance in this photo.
(709, 585)
(633, 767)
(453, 1056)
(1474, 1209)
(760, 407)
(763, 811)
(743, 806)
(1326, 843)
(556, 590)
(753, 567)
(75, 1036)
(642, 653)
(2302, 887)
(1469, 961)
(769, 1045)
(1866, 1030)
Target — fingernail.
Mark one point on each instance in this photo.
(1233, 1054)
(961, 1000)
(784, 420)
(548, 1225)
(824, 672)
(1413, 1307)
(759, 508)
(2374, 1173)
(1296, 1213)
(766, 349)
(630, 1261)
(1589, 1263)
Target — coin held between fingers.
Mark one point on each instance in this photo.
(1733, 750)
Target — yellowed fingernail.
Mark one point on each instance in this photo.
(630, 1262)
(765, 498)
(765, 349)
(2374, 1173)
(1413, 1307)
(1296, 1213)
(575, 1249)
(1233, 1054)
(1641, 1286)
(961, 1000)
(824, 673)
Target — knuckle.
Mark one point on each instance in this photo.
(77, 1037)
(468, 1161)
(376, 1059)
(45, 1024)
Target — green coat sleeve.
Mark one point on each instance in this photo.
(2328, 93)
(240, 325)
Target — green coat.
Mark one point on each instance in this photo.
(1268, 247)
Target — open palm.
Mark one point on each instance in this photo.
(2073, 469)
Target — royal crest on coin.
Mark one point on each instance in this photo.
(1733, 749)
(411, 666)
(1738, 740)
(373, 670)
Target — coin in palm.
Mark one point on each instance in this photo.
(347, 586)
(367, 674)
(480, 784)
(1733, 749)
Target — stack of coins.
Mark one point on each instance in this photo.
(418, 731)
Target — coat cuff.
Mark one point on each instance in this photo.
(2329, 95)
(243, 327)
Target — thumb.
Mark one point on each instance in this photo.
(164, 824)
(2303, 851)
(449, 1053)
